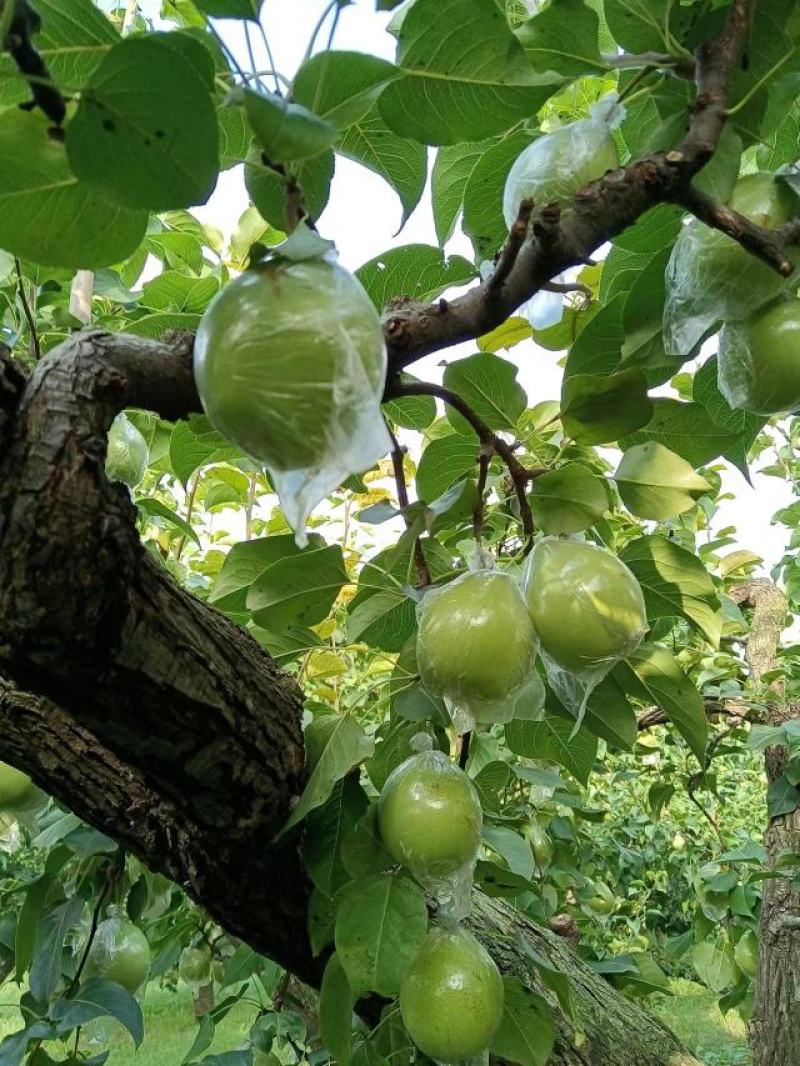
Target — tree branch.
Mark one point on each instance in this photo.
(23, 24)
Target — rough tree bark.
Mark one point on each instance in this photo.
(166, 726)
(775, 1027)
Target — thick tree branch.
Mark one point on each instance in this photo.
(23, 24)
(600, 212)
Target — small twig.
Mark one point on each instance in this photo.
(694, 781)
(512, 247)
(490, 442)
(316, 31)
(463, 749)
(627, 92)
(768, 245)
(398, 467)
(484, 459)
(189, 512)
(111, 876)
(248, 514)
(280, 993)
(26, 310)
(737, 709)
(680, 66)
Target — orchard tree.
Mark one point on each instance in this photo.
(309, 668)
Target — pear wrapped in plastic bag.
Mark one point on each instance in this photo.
(127, 454)
(476, 646)
(430, 821)
(290, 364)
(711, 278)
(758, 368)
(589, 613)
(119, 952)
(554, 167)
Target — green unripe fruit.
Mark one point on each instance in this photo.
(17, 792)
(603, 902)
(759, 361)
(541, 845)
(194, 966)
(430, 816)
(587, 607)
(746, 953)
(280, 355)
(476, 642)
(127, 454)
(679, 842)
(553, 168)
(119, 953)
(711, 278)
(451, 998)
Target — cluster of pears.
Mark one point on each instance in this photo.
(711, 277)
(430, 822)
(479, 635)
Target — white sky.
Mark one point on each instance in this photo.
(363, 214)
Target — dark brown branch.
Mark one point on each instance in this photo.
(654, 716)
(681, 66)
(490, 441)
(398, 468)
(600, 212)
(25, 23)
(766, 244)
(512, 247)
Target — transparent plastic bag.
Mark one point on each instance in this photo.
(119, 952)
(290, 364)
(452, 997)
(476, 646)
(758, 367)
(127, 454)
(430, 821)
(711, 278)
(555, 166)
(589, 613)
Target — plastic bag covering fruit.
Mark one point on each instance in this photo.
(758, 368)
(476, 645)
(710, 278)
(120, 953)
(290, 364)
(17, 792)
(553, 168)
(430, 815)
(587, 607)
(127, 454)
(194, 965)
(451, 998)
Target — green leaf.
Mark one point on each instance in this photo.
(598, 348)
(230, 9)
(14, 1046)
(569, 499)
(153, 508)
(743, 424)
(418, 271)
(381, 923)
(51, 932)
(342, 87)
(675, 583)
(336, 1002)
(195, 443)
(99, 998)
(552, 741)
(782, 797)
(267, 188)
(383, 620)
(687, 430)
(656, 483)
(714, 964)
(443, 462)
(488, 384)
(451, 171)
(526, 1034)
(597, 410)
(663, 682)
(510, 846)
(401, 162)
(411, 412)
(28, 921)
(345, 746)
(326, 829)
(556, 980)
(49, 217)
(173, 291)
(638, 25)
(609, 714)
(718, 177)
(465, 75)
(298, 589)
(248, 560)
(483, 220)
(204, 1038)
(286, 131)
(145, 133)
(564, 37)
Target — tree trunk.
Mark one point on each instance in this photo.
(160, 722)
(775, 1027)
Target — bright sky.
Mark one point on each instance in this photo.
(362, 218)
